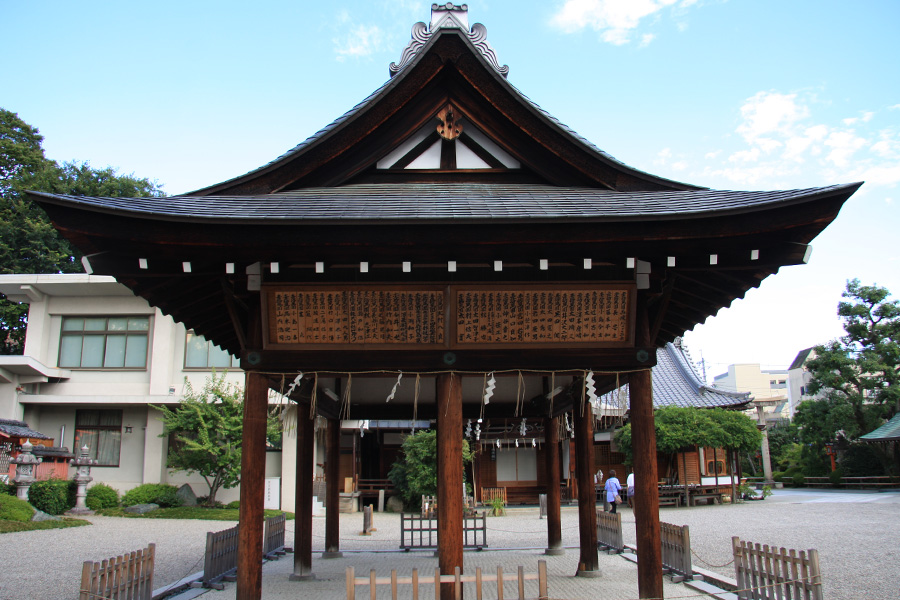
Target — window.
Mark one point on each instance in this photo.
(101, 432)
(104, 342)
(200, 354)
(516, 465)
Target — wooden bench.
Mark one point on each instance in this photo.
(716, 497)
(670, 500)
(457, 579)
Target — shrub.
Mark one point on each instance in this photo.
(162, 494)
(8, 488)
(53, 496)
(14, 509)
(799, 480)
(835, 477)
(778, 476)
(233, 504)
(101, 496)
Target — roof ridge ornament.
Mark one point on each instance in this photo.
(448, 16)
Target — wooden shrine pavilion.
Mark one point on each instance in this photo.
(450, 230)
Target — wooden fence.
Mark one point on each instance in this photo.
(126, 577)
(765, 573)
(457, 579)
(489, 493)
(221, 556)
(609, 531)
(417, 531)
(676, 550)
(273, 538)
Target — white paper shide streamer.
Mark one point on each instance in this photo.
(394, 390)
(489, 388)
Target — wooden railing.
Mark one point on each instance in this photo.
(129, 576)
(609, 531)
(221, 556)
(489, 493)
(765, 573)
(370, 487)
(417, 531)
(457, 579)
(676, 550)
(273, 538)
(873, 482)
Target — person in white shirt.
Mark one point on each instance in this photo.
(612, 490)
(629, 483)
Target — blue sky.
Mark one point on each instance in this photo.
(730, 94)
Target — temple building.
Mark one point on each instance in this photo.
(446, 250)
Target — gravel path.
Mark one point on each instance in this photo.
(856, 534)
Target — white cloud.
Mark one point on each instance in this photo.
(843, 145)
(615, 20)
(712, 155)
(646, 39)
(768, 113)
(894, 107)
(362, 40)
(679, 165)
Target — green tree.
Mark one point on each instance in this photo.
(415, 474)
(28, 242)
(862, 368)
(206, 430)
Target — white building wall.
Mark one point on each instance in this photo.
(49, 404)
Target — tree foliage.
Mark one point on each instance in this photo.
(679, 429)
(28, 242)
(415, 474)
(206, 431)
(861, 370)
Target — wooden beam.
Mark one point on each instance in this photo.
(253, 470)
(588, 562)
(450, 477)
(303, 496)
(333, 489)
(646, 502)
(551, 466)
(231, 305)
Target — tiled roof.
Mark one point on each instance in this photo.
(13, 428)
(457, 202)
(801, 358)
(889, 432)
(676, 383)
(54, 451)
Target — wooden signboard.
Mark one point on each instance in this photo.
(455, 316)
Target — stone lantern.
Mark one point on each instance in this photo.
(25, 470)
(82, 477)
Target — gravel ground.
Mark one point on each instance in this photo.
(856, 535)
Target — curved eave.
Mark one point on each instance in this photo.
(449, 204)
(358, 114)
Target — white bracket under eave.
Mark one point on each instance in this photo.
(713, 259)
(274, 267)
(588, 263)
(320, 267)
(363, 267)
(807, 255)
(229, 268)
(451, 266)
(544, 264)
(142, 263)
(407, 266)
(498, 265)
(186, 266)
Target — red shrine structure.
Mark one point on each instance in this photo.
(449, 229)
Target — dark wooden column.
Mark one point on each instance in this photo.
(588, 561)
(253, 470)
(332, 490)
(646, 492)
(551, 465)
(303, 496)
(450, 477)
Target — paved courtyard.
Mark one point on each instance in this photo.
(856, 534)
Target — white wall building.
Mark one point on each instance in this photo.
(768, 387)
(96, 358)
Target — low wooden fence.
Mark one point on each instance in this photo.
(221, 556)
(609, 531)
(489, 493)
(126, 577)
(765, 573)
(676, 550)
(457, 579)
(851, 483)
(417, 531)
(273, 538)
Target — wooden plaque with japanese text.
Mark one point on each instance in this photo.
(455, 316)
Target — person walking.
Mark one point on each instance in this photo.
(629, 485)
(613, 487)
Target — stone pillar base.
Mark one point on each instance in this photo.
(555, 551)
(589, 574)
(332, 555)
(307, 577)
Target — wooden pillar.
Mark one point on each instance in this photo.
(551, 465)
(450, 477)
(303, 496)
(646, 490)
(253, 470)
(588, 561)
(333, 490)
